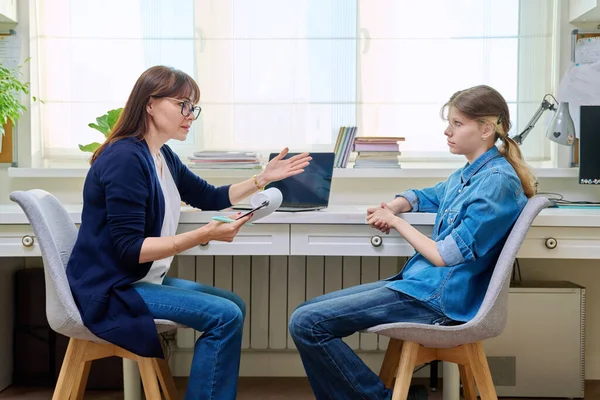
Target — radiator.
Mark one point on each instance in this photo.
(272, 287)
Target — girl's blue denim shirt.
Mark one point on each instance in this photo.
(475, 209)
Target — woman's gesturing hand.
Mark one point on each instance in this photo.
(278, 168)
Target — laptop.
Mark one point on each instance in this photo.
(308, 191)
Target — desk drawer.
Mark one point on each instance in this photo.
(259, 239)
(561, 242)
(18, 241)
(349, 240)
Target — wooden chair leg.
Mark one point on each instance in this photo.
(69, 371)
(468, 382)
(148, 374)
(81, 380)
(390, 362)
(161, 367)
(481, 371)
(408, 357)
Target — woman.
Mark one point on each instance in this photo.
(446, 280)
(127, 239)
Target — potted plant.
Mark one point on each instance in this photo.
(11, 88)
(104, 124)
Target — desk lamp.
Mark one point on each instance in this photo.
(561, 129)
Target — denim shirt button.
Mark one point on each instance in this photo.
(459, 190)
(446, 210)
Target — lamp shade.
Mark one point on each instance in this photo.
(561, 129)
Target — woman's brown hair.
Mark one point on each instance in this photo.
(158, 81)
(484, 104)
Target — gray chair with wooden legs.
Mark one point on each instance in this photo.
(56, 233)
(412, 344)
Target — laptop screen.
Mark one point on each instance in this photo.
(310, 188)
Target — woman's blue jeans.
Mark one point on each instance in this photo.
(318, 326)
(217, 313)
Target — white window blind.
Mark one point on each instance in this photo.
(276, 73)
(89, 55)
(414, 55)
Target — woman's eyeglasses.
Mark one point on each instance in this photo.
(187, 108)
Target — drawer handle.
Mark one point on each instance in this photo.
(27, 241)
(376, 241)
(551, 243)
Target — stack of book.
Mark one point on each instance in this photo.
(377, 152)
(224, 160)
(343, 146)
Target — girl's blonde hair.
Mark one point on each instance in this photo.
(484, 104)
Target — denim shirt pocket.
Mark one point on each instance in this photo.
(450, 216)
(446, 219)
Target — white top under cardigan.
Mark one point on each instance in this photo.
(159, 268)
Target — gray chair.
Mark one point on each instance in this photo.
(56, 233)
(413, 344)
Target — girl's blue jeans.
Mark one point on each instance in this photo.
(217, 313)
(318, 326)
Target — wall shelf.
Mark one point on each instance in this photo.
(8, 12)
(582, 11)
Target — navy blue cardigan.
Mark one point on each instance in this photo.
(122, 205)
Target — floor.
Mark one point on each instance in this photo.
(249, 389)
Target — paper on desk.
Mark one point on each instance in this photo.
(580, 86)
(273, 195)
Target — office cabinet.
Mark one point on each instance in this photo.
(584, 10)
(541, 352)
(8, 11)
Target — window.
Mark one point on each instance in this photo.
(277, 73)
(89, 55)
(415, 54)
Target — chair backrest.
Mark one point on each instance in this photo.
(56, 234)
(493, 312)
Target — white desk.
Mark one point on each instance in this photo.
(337, 231)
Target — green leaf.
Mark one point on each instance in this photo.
(105, 123)
(102, 129)
(10, 88)
(113, 117)
(92, 147)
